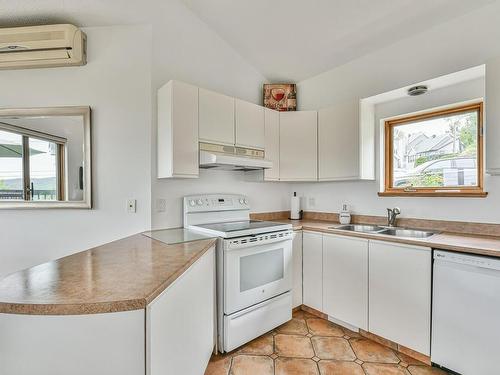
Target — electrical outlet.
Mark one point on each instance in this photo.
(311, 202)
(131, 206)
(161, 205)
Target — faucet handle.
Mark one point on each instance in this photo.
(396, 210)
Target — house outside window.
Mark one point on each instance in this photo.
(438, 153)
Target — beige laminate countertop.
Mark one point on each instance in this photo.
(119, 276)
(481, 245)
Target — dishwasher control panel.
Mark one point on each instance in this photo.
(467, 259)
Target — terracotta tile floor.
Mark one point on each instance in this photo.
(307, 345)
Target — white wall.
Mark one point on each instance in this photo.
(459, 44)
(118, 89)
(462, 43)
(362, 196)
(186, 49)
(263, 197)
(121, 89)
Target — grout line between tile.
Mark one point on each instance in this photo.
(230, 365)
(355, 355)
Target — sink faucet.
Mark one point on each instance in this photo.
(392, 216)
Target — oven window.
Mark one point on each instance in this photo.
(261, 269)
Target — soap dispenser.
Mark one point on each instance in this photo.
(345, 215)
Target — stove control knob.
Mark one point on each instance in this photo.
(199, 202)
(241, 200)
(245, 201)
(192, 203)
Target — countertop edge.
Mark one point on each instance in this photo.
(91, 308)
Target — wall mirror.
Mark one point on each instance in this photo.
(45, 158)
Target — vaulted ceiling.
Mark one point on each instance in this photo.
(286, 40)
(297, 39)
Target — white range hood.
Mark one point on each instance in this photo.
(232, 158)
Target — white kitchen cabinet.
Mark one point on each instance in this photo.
(492, 128)
(345, 279)
(298, 146)
(216, 118)
(177, 140)
(272, 143)
(338, 142)
(182, 317)
(297, 269)
(312, 272)
(249, 122)
(400, 294)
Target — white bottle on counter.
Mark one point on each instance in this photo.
(345, 215)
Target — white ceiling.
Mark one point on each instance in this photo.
(286, 40)
(78, 12)
(290, 40)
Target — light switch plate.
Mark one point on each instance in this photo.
(161, 205)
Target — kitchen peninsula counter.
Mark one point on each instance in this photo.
(122, 275)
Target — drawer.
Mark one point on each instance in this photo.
(243, 326)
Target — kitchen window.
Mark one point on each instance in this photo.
(31, 165)
(437, 153)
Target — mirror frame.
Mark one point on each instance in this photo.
(83, 111)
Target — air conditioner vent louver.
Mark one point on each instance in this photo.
(42, 46)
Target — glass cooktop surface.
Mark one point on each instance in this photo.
(234, 226)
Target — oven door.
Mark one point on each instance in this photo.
(256, 269)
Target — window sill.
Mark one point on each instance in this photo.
(436, 194)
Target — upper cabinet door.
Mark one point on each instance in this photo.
(177, 140)
(249, 124)
(272, 143)
(216, 118)
(298, 146)
(338, 142)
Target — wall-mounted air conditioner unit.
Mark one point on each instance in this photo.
(42, 46)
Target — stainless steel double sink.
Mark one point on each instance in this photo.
(390, 231)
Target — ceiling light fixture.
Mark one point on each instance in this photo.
(417, 90)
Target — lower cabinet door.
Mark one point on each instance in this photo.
(297, 269)
(400, 294)
(345, 279)
(312, 252)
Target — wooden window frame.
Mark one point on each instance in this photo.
(462, 191)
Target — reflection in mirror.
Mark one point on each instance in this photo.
(45, 157)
